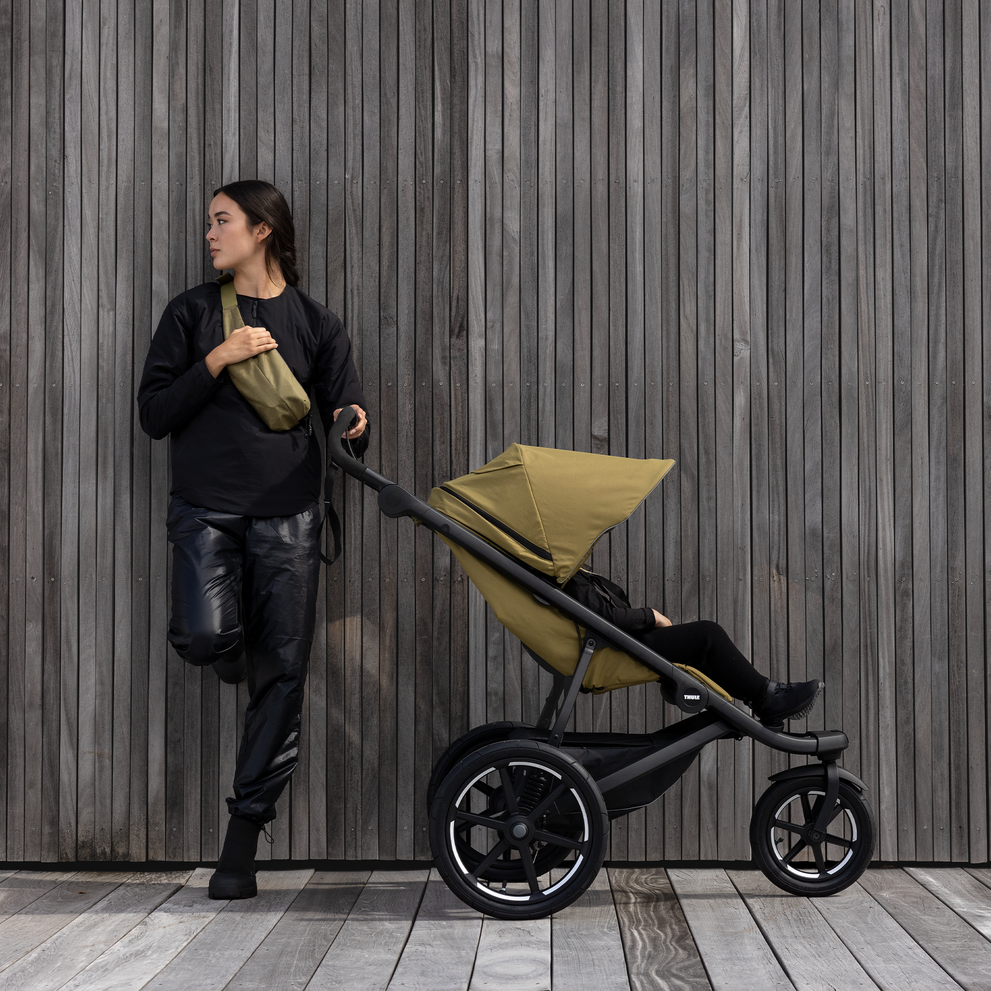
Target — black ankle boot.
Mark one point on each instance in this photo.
(790, 701)
(235, 873)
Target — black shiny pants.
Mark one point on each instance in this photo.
(245, 583)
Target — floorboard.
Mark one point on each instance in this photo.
(891, 957)
(370, 943)
(660, 951)
(20, 888)
(513, 956)
(587, 945)
(736, 956)
(57, 960)
(221, 947)
(812, 955)
(961, 951)
(642, 929)
(440, 953)
(288, 957)
(961, 891)
(52, 912)
(149, 947)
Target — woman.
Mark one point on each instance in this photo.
(703, 645)
(243, 519)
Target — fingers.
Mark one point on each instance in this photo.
(246, 342)
(359, 425)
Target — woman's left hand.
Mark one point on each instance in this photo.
(660, 620)
(359, 428)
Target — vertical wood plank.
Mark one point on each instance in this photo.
(902, 427)
(938, 395)
(6, 249)
(975, 286)
(921, 583)
(55, 150)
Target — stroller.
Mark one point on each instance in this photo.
(519, 815)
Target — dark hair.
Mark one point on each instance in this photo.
(261, 201)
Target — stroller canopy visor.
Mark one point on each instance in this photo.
(548, 507)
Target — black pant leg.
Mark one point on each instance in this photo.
(207, 554)
(281, 576)
(707, 646)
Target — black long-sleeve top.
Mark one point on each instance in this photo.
(609, 601)
(223, 456)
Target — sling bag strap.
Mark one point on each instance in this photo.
(330, 514)
(265, 380)
(282, 403)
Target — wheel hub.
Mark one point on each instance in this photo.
(518, 830)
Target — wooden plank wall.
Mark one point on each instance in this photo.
(752, 236)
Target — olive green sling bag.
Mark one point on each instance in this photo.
(264, 380)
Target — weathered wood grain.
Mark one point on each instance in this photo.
(79, 943)
(51, 912)
(20, 888)
(365, 953)
(292, 951)
(440, 952)
(586, 942)
(882, 947)
(961, 891)
(513, 956)
(812, 955)
(963, 953)
(657, 942)
(136, 958)
(219, 950)
(735, 951)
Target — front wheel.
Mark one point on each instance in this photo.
(505, 816)
(798, 858)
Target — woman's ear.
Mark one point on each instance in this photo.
(262, 231)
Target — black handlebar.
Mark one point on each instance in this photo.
(338, 450)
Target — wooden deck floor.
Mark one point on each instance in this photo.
(925, 929)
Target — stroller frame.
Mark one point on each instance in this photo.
(596, 776)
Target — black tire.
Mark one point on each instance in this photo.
(505, 816)
(792, 856)
(463, 745)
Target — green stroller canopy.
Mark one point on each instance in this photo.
(548, 508)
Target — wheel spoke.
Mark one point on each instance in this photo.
(494, 854)
(839, 841)
(554, 840)
(526, 857)
(478, 820)
(790, 826)
(820, 862)
(807, 809)
(794, 852)
(543, 806)
(487, 790)
(512, 806)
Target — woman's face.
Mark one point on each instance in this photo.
(233, 243)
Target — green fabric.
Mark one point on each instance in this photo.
(559, 503)
(264, 380)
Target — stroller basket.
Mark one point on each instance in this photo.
(519, 814)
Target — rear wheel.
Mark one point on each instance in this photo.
(798, 858)
(505, 816)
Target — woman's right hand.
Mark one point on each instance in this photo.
(244, 343)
